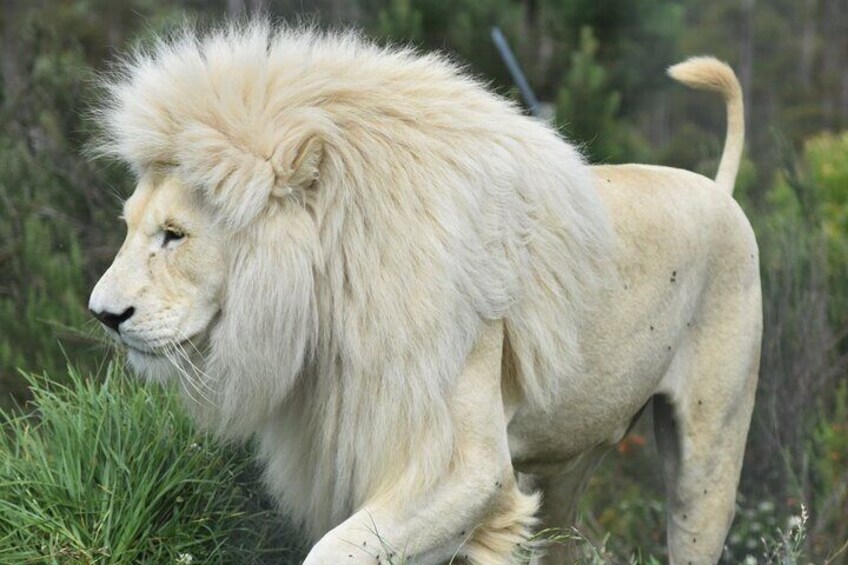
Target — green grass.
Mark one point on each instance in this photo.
(111, 471)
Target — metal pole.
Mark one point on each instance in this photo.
(515, 70)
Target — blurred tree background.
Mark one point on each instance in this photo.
(601, 64)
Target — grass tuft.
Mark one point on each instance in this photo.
(111, 471)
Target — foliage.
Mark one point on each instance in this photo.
(49, 198)
(826, 160)
(787, 548)
(757, 530)
(589, 109)
(461, 31)
(625, 498)
(637, 40)
(399, 20)
(113, 472)
(43, 250)
(828, 448)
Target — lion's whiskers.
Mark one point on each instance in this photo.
(175, 355)
(204, 376)
(201, 376)
(180, 371)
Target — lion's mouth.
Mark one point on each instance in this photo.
(186, 345)
(189, 346)
(143, 352)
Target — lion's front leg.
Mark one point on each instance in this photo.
(475, 513)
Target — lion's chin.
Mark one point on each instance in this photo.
(155, 365)
(151, 367)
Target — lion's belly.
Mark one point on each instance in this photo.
(665, 222)
(595, 407)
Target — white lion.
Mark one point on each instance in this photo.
(413, 295)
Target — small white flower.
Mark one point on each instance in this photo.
(793, 522)
(766, 506)
(185, 559)
(749, 560)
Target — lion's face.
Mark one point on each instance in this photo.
(163, 292)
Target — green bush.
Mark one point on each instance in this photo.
(42, 285)
(828, 449)
(50, 198)
(588, 108)
(113, 472)
(826, 162)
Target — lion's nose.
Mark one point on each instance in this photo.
(112, 320)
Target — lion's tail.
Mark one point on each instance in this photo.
(708, 73)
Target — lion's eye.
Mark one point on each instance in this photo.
(171, 234)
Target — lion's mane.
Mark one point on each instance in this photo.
(352, 304)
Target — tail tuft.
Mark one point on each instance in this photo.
(708, 73)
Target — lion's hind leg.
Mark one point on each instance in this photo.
(701, 422)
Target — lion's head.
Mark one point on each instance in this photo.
(163, 294)
(227, 309)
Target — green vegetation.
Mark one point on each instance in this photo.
(600, 63)
(109, 471)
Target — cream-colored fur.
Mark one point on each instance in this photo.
(407, 291)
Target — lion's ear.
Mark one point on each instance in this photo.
(301, 168)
